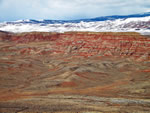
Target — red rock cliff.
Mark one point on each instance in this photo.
(89, 44)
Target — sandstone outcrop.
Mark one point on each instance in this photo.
(74, 72)
(87, 44)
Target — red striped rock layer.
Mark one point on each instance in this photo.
(105, 44)
(88, 44)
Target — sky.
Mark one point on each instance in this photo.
(12, 10)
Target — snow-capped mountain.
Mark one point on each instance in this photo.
(117, 23)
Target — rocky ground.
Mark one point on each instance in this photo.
(74, 72)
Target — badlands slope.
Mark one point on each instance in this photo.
(74, 72)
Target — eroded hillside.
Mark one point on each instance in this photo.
(74, 72)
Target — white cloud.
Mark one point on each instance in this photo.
(68, 9)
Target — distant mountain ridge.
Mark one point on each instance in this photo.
(102, 18)
(116, 23)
